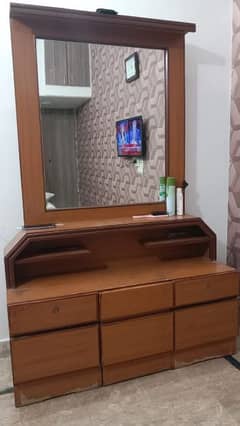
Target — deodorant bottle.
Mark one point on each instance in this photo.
(179, 201)
(171, 195)
(162, 188)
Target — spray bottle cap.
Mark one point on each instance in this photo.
(171, 181)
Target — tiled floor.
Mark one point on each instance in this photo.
(5, 373)
(207, 393)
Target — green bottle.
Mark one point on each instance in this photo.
(162, 188)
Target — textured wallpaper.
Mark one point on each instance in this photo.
(105, 178)
(234, 182)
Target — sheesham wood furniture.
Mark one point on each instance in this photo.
(94, 305)
(97, 297)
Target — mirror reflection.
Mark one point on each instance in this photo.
(103, 123)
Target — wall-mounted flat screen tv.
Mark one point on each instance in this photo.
(130, 137)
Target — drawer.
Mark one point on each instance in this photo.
(128, 302)
(137, 338)
(54, 353)
(206, 288)
(40, 316)
(206, 324)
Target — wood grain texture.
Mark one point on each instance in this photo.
(28, 117)
(197, 290)
(126, 303)
(138, 367)
(33, 14)
(53, 255)
(212, 240)
(176, 112)
(118, 274)
(45, 252)
(71, 229)
(179, 248)
(136, 338)
(202, 353)
(43, 316)
(205, 324)
(60, 24)
(49, 387)
(50, 354)
(61, 263)
(174, 242)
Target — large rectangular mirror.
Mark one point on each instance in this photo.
(55, 192)
(103, 123)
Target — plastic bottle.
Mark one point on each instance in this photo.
(170, 195)
(179, 201)
(162, 188)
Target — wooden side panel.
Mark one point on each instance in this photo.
(28, 120)
(137, 338)
(40, 316)
(38, 390)
(140, 367)
(134, 301)
(205, 289)
(176, 112)
(205, 324)
(54, 353)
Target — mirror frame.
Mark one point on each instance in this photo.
(29, 22)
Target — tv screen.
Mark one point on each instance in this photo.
(130, 141)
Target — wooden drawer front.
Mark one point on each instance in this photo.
(205, 324)
(49, 387)
(206, 288)
(49, 315)
(137, 338)
(128, 302)
(54, 353)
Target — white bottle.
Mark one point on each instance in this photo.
(179, 201)
(170, 195)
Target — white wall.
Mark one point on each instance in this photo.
(208, 66)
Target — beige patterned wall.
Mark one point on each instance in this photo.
(234, 184)
(105, 178)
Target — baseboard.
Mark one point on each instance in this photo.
(4, 347)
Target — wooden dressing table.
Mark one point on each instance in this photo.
(152, 299)
(101, 297)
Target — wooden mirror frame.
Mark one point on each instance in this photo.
(30, 22)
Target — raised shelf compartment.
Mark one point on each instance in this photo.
(179, 247)
(46, 257)
(170, 243)
(65, 250)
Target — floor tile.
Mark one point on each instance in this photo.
(5, 373)
(206, 394)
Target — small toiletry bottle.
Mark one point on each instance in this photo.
(162, 188)
(171, 195)
(179, 201)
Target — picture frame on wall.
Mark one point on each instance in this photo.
(132, 67)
